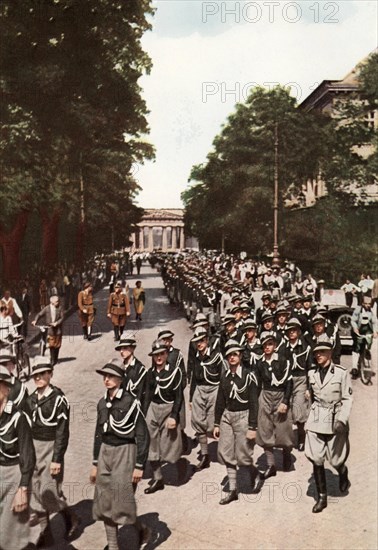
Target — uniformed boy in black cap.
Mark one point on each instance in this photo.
(134, 372)
(119, 457)
(164, 400)
(175, 357)
(275, 421)
(207, 371)
(48, 410)
(17, 461)
(235, 421)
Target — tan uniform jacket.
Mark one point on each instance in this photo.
(332, 399)
(85, 301)
(118, 304)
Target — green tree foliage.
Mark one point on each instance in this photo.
(73, 108)
(234, 193)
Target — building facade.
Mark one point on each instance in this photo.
(161, 229)
(326, 98)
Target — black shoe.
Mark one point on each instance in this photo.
(145, 534)
(45, 539)
(354, 374)
(203, 463)
(286, 461)
(232, 495)
(185, 443)
(344, 482)
(157, 485)
(257, 484)
(321, 503)
(270, 472)
(71, 522)
(301, 447)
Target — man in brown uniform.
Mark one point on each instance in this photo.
(86, 309)
(118, 310)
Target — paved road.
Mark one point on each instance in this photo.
(186, 515)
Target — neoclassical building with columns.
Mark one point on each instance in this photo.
(161, 229)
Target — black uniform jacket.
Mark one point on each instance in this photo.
(275, 375)
(214, 345)
(238, 392)
(120, 421)
(18, 394)
(135, 380)
(50, 418)
(299, 357)
(16, 443)
(165, 387)
(207, 370)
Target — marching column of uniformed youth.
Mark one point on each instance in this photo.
(327, 426)
(118, 310)
(17, 461)
(134, 372)
(298, 353)
(48, 411)
(119, 457)
(235, 422)
(164, 400)
(206, 375)
(274, 419)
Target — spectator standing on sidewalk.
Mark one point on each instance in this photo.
(139, 298)
(138, 264)
(350, 290)
(25, 306)
(43, 294)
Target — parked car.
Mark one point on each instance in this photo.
(339, 314)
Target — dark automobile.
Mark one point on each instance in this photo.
(341, 316)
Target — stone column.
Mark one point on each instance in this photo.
(174, 238)
(182, 239)
(164, 239)
(150, 240)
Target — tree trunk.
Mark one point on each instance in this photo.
(50, 227)
(10, 243)
(80, 237)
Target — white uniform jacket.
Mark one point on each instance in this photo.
(331, 400)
